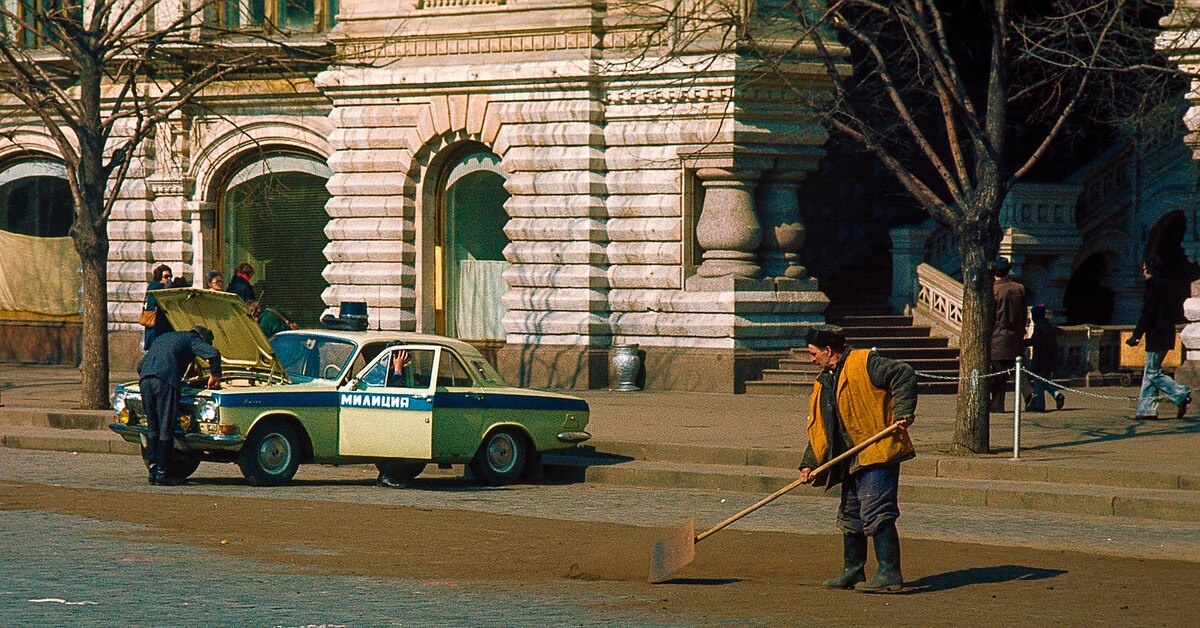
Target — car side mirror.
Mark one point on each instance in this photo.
(356, 384)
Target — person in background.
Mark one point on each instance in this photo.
(160, 376)
(162, 276)
(215, 281)
(269, 320)
(240, 284)
(1008, 329)
(180, 282)
(1162, 309)
(1044, 342)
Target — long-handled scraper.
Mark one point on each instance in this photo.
(679, 548)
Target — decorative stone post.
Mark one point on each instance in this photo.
(908, 252)
(728, 229)
(783, 229)
(1188, 372)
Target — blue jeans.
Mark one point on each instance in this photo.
(869, 499)
(1155, 381)
(1038, 401)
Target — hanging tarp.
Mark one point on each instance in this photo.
(38, 275)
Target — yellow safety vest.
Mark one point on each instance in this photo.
(865, 410)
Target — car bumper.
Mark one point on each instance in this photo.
(134, 434)
(574, 437)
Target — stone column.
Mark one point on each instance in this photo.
(728, 229)
(908, 252)
(1188, 372)
(783, 229)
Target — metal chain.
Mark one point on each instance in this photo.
(1076, 391)
(959, 378)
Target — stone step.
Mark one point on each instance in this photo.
(886, 331)
(920, 364)
(60, 419)
(885, 342)
(924, 387)
(881, 320)
(1160, 504)
(896, 353)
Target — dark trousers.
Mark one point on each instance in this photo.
(1038, 402)
(1000, 384)
(869, 499)
(160, 402)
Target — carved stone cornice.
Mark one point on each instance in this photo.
(438, 46)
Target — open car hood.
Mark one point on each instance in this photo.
(242, 344)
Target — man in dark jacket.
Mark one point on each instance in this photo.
(240, 284)
(160, 374)
(1044, 342)
(1008, 329)
(1162, 309)
(858, 394)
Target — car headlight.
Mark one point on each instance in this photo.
(117, 398)
(208, 410)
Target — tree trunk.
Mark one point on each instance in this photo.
(978, 242)
(94, 363)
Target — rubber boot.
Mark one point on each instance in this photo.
(887, 554)
(854, 550)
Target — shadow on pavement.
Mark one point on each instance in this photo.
(702, 581)
(1091, 435)
(979, 575)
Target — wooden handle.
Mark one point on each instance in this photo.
(773, 496)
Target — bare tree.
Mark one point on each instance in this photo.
(958, 99)
(99, 76)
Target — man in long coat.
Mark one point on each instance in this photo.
(1008, 329)
(1162, 308)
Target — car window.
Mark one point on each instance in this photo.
(368, 353)
(451, 372)
(417, 373)
(486, 373)
(306, 357)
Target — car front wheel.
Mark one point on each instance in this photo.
(271, 455)
(501, 459)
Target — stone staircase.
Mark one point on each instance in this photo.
(892, 335)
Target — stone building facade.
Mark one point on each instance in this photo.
(511, 172)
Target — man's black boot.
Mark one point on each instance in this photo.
(887, 554)
(854, 550)
(163, 478)
(153, 469)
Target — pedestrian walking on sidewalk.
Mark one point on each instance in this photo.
(1008, 329)
(857, 394)
(161, 280)
(160, 374)
(1162, 309)
(1044, 342)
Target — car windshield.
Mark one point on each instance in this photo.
(306, 357)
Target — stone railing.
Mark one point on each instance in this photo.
(437, 4)
(939, 302)
(1043, 209)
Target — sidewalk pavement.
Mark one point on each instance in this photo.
(1088, 433)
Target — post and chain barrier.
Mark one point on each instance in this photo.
(1019, 400)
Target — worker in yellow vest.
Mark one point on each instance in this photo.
(857, 394)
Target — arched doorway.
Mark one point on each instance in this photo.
(273, 217)
(1166, 241)
(470, 247)
(1088, 297)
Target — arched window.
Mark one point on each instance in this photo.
(35, 200)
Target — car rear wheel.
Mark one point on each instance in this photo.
(501, 458)
(399, 472)
(271, 455)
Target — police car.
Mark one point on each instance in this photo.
(337, 397)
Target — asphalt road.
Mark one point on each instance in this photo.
(84, 541)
